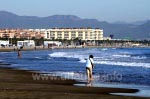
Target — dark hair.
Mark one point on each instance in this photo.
(91, 56)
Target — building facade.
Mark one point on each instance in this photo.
(21, 33)
(55, 33)
(70, 34)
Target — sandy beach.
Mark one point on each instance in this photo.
(19, 84)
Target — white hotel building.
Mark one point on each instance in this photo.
(69, 33)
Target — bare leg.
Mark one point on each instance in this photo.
(91, 75)
(88, 74)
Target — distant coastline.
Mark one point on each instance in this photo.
(10, 49)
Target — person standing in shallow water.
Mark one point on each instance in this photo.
(19, 53)
(89, 67)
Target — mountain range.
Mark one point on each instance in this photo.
(120, 30)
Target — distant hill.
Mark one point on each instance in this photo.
(119, 30)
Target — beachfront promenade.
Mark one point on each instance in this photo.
(28, 48)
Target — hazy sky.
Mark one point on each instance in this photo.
(103, 10)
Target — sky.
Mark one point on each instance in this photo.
(103, 10)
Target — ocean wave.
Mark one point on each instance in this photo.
(119, 55)
(118, 63)
(68, 55)
(120, 59)
(104, 49)
(146, 65)
(40, 58)
(139, 57)
(7, 52)
(58, 54)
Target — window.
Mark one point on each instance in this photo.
(59, 34)
(66, 35)
(73, 34)
(47, 35)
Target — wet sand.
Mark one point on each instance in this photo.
(19, 84)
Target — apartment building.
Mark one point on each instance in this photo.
(21, 33)
(69, 33)
(55, 33)
(6, 33)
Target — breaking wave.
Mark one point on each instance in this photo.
(107, 59)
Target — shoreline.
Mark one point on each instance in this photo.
(10, 49)
(16, 83)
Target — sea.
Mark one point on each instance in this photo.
(114, 67)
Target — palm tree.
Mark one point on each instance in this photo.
(111, 36)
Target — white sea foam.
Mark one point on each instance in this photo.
(119, 55)
(64, 73)
(138, 57)
(58, 54)
(82, 60)
(68, 55)
(7, 52)
(147, 65)
(38, 57)
(104, 49)
(106, 62)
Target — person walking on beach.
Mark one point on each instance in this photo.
(89, 67)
